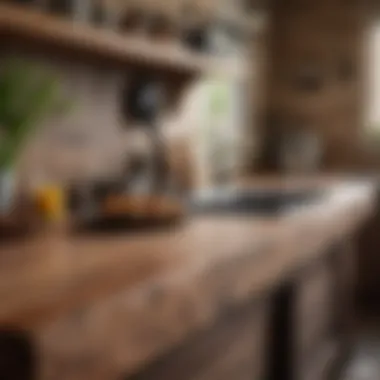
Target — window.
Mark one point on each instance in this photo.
(373, 82)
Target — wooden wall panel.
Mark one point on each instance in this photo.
(325, 35)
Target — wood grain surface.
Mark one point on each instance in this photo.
(234, 347)
(80, 40)
(34, 26)
(101, 306)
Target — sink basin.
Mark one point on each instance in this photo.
(268, 202)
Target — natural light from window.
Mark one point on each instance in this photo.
(373, 83)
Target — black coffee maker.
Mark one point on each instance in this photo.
(122, 201)
(142, 101)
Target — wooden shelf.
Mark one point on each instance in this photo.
(113, 47)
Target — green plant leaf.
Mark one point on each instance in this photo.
(28, 94)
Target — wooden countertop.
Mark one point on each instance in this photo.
(77, 293)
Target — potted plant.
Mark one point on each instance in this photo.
(28, 94)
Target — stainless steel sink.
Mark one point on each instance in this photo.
(267, 202)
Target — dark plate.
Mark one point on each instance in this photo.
(272, 202)
(126, 224)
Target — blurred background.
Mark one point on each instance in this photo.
(137, 118)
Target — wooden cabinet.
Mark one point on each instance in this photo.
(345, 271)
(234, 348)
(311, 322)
(313, 309)
(323, 312)
(314, 321)
(368, 263)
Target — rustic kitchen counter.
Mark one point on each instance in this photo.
(114, 302)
